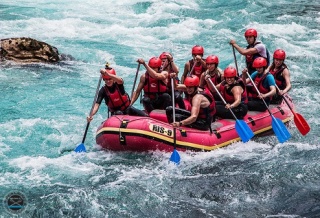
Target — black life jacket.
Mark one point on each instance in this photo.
(280, 81)
(251, 58)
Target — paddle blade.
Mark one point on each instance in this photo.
(280, 130)
(175, 157)
(243, 130)
(80, 148)
(301, 124)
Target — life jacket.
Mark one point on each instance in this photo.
(258, 81)
(153, 87)
(250, 58)
(208, 111)
(227, 94)
(116, 101)
(197, 70)
(280, 81)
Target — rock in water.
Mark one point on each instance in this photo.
(27, 50)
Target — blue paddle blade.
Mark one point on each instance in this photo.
(175, 157)
(243, 130)
(280, 130)
(80, 148)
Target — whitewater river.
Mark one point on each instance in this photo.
(44, 108)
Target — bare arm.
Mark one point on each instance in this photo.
(179, 87)
(243, 51)
(196, 103)
(286, 76)
(94, 111)
(185, 71)
(158, 76)
(115, 78)
(136, 93)
(171, 63)
(203, 63)
(236, 91)
(174, 67)
(272, 92)
(202, 80)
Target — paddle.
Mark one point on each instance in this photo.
(242, 127)
(194, 64)
(278, 127)
(81, 147)
(135, 80)
(300, 122)
(235, 60)
(175, 157)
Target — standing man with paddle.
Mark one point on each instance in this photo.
(254, 49)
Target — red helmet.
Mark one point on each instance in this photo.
(110, 71)
(191, 81)
(197, 50)
(279, 54)
(251, 32)
(155, 62)
(259, 62)
(230, 72)
(164, 55)
(212, 59)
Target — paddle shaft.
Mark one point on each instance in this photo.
(224, 101)
(135, 80)
(93, 103)
(235, 60)
(194, 64)
(173, 113)
(300, 122)
(285, 100)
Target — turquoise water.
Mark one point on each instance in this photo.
(43, 110)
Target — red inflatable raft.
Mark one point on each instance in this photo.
(132, 133)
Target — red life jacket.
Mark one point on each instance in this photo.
(215, 78)
(153, 87)
(116, 101)
(280, 81)
(227, 94)
(205, 112)
(197, 70)
(258, 81)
